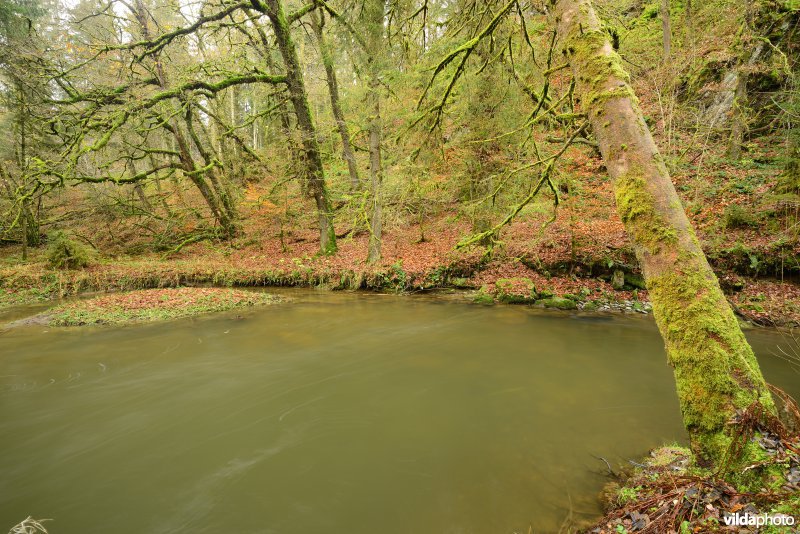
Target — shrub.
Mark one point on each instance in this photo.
(64, 252)
(736, 216)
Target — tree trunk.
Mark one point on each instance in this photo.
(715, 369)
(24, 231)
(666, 29)
(689, 24)
(739, 122)
(220, 189)
(299, 98)
(333, 91)
(789, 181)
(374, 12)
(376, 175)
(187, 161)
(266, 51)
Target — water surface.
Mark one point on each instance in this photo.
(337, 413)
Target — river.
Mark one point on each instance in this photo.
(336, 413)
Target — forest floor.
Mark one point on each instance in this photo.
(747, 233)
(667, 494)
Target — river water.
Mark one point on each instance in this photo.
(335, 413)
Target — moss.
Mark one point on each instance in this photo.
(789, 506)
(635, 281)
(481, 297)
(330, 248)
(558, 303)
(597, 67)
(637, 209)
(590, 306)
(667, 455)
(461, 283)
(768, 473)
(64, 252)
(515, 290)
(735, 216)
(715, 369)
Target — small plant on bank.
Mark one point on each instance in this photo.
(64, 252)
(628, 495)
(736, 216)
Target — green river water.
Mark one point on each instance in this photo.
(335, 413)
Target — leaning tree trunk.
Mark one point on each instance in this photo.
(299, 98)
(715, 369)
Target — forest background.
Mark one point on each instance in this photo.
(402, 144)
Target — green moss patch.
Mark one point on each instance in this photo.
(154, 305)
(558, 303)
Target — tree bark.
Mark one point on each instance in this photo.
(333, 91)
(24, 231)
(666, 29)
(716, 372)
(299, 98)
(374, 12)
(376, 174)
(218, 211)
(739, 122)
(689, 24)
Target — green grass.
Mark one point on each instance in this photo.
(20, 296)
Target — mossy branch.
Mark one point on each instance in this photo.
(545, 178)
(465, 50)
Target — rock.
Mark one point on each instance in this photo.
(634, 281)
(618, 279)
(590, 306)
(794, 476)
(461, 283)
(557, 302)
(638, 521)
(482, 298)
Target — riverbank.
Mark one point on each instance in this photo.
(666, 493)
(503, 279)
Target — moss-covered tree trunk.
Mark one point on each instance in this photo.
(333, 91)
(666, 29)
(297, 94)
(790, 178)
(715, 370)
(219, 211)
(374, 14)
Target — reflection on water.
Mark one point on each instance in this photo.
(341, 413)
